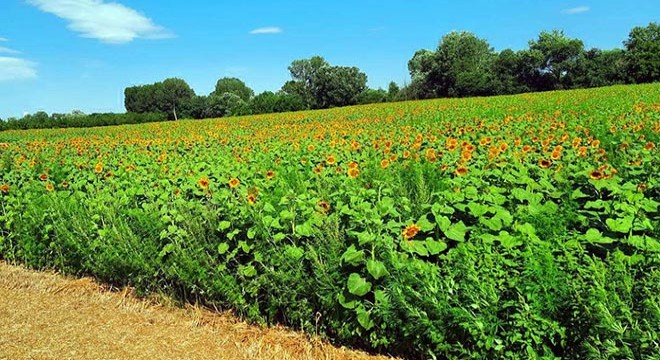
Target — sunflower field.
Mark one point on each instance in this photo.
(523, 226)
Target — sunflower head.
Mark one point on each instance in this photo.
(353, 172)
(324, 206)
(203, 182)
(545, 163)
(461, 170)
(596, 175)
(234, 182)
(410, 231)
(384, 163)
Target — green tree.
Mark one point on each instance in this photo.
(601, 68)
(461, 66)
(560, 56)
(643, 53)
(172, 93)
(338, 86)
(304, 73)
(393, 91)
(233, 86)
(227, 104)
(372, 96)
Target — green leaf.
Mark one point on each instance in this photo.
(251, 233)
(269, 208)
(357, 285)
(352, 304)
(443, 223)
(435, 247)
(456, 231)
(415, 246)
(424, 223)
(305, 229)
(493, 223)
(477, 210)
(279, 236)
(376, 269)
(249, 271)
(223, 248)
(167, 249)
(365, 237)
(224, 225)
(352, 256)
(244, 246)
(509, 241)
(622, 225)
(363, 318)
(294, 253)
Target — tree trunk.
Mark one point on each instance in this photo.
(174, 111)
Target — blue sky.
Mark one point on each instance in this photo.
(60, 55)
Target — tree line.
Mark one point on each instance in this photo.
(461, 65)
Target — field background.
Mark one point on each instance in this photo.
(518, 226)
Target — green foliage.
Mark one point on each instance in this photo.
(643, 53)
(410, 257)
(233, 86)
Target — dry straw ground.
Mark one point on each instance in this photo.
(47, 316)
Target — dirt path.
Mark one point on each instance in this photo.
(48, 316)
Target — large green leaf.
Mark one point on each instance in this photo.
(357, 285)
(376, 269)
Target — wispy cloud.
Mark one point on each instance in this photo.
(576, 10)
(12, 68)
(6, 50)
(3, 39)
(109, 22)
(266, 30)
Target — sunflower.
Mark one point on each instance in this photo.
(43, 177)
(353, 172)
(384, 163)
(311, 147)
(595, 144)
(461, 170)
(410, 231)
(649, 146)
(50, 187)
(234, 182)
(352, 165)
(4, 188)
(203, 182)
(330, 160)
(545, 163)
(556, 155)
(251, 199)
(406, 154)
(318, 169)
(596, 175)
(324, 206)
(270, 174)
(98, 168)
(108, 175)
(64, 184)
(642, 187)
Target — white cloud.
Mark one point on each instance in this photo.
(576, 10)
(109, 22)
(266, 30)
(12, 68)
(6, 50)
(3, 39)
